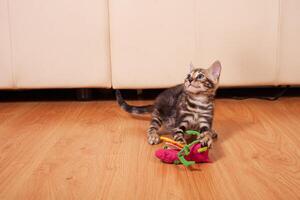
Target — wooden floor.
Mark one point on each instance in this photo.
(93, 150)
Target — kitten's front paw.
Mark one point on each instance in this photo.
(180, 138)
(206, 139)
(153, 138)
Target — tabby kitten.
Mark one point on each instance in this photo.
(189, 106)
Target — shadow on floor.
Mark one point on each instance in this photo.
(147, 94)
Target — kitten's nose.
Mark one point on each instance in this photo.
(190, 79)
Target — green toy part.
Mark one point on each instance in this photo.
(186, 149)
(192, 132)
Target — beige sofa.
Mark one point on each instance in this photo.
(147, 44)
(54, 44)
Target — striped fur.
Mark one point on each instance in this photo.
(183, 107)
(132, 109)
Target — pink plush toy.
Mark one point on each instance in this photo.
(187, 155)
(171, 155)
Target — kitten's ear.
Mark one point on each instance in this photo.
(191, 67)
(215, 70)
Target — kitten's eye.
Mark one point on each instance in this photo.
(200, 76)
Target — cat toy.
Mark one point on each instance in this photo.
(176, 153)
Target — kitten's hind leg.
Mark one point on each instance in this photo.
(152, 134)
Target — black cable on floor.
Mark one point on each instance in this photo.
(275, 97)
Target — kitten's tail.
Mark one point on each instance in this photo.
(132, 109)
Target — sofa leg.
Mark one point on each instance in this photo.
(84, 94)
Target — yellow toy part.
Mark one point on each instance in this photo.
(166, 139)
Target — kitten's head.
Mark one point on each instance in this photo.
(203, 81)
